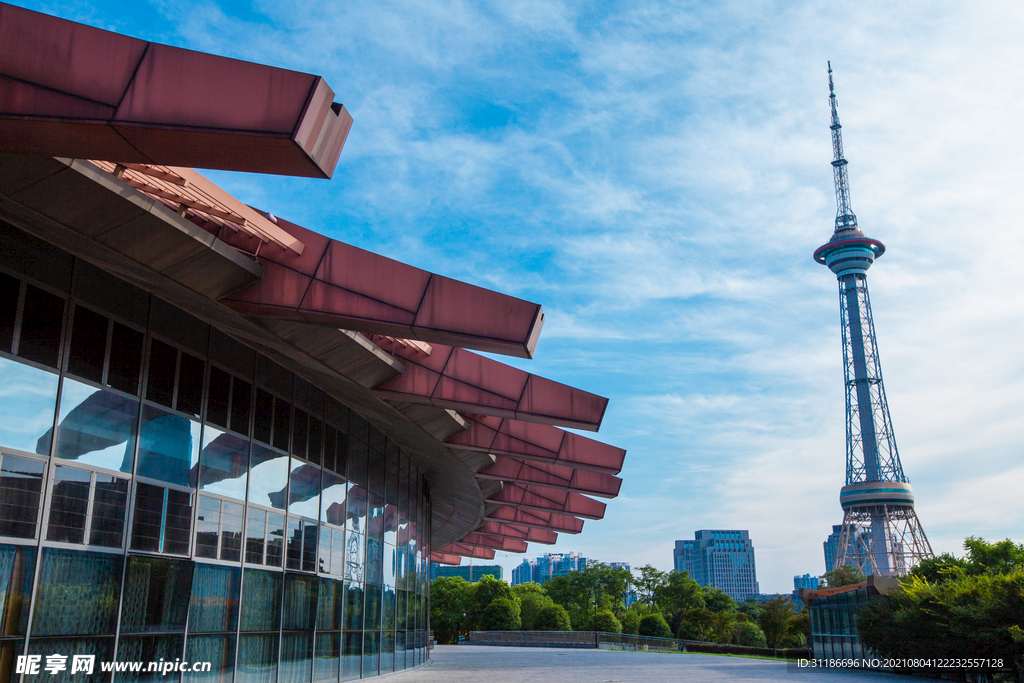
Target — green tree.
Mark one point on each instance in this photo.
(1001, 557)
(631, 617)
(553, 618)
(696, 623)
(717, 600)
(449, 603)
(584, 594)
(751, 608)
(532, 599)
(799, 629)
(502, 614)
(845, 575)
(648, 581)
(484, 592)
(655, 625)
(750, 635)
(679, 594)
(606, 622)
(775, 620)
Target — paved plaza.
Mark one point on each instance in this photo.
(483, 664)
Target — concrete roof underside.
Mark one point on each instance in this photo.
(385, 338)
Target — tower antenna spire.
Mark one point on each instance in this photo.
(845, 218)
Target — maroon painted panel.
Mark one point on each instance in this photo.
(167, 105)
(552, 476)
(538, 519)
(443, 558)
(473, 383)
(536, 498)
(508, 545)
(354, 289)
(466, 550)
(521, 533)
(540, 443)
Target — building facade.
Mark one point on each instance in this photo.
(805, 581)
(546, 567)
(833, 614)
(469, 572)
(721, 558)
(224, 437)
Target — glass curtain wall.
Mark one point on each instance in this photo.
(167, 493)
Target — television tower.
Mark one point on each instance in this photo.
(881, 534)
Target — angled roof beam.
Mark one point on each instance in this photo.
(535, 498)
(71, 90)
(537, 519)
(466, 550)
(520, 533)
(337, 285)
(442, 558)
(539, 443)
(546, 475)
(462, 380)
(508, 545)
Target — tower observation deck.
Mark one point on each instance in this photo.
(881, 533)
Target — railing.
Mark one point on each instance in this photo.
(575, 639)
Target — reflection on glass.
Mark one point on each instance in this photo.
(77, 594)
(17, 567)
(296, 657)
(355, 508)
(69, 505)
(304, 491)
(268, 477)
(28, 397)
(387, 610)
(327, 658)
(300, 601)
(100, 648)
(374, 561)
(261, 600)
(371, 653)
(223, 465)
(156, 594)
(257, 658)
(354, 557)
(375, 514)
(219, 651)
(351, 656)
(207, 527)
(389, 565)
(96, 427)
(275, 540)
(353, 605)
(332, 499)
(371, 608)
(110, 500)
(214, 602)
(168, 447)
(387, 651)
(21, 488)
(147, 649)
(330, 605)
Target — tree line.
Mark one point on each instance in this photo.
(667, 605)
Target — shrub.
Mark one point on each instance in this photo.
(501, 615)
(606, 622)
(554, 618)
(655, 625)
(750, 635)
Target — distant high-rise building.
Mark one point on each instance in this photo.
(546, 567)
(720, 558)
(831, 546)
(470, 572)
(805, 581)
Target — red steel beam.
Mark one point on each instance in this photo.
(540, 443)
(465, 381)
(520, 533)
(71, 90)
(466, 550)
(508, 545)
(535, 498)
(337, 285)
(442, 558)
(537, 519)
(546, 475)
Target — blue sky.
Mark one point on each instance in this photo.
(657, 176)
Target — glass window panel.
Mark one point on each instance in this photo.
(190, 385)
(96, 427)
(355, 561)
(268, 477)
(21, 487)
(388, 609)
(275, 540)
(391, 524)
(177, 522)
(147, 649)
(332, 499)
(282, 423)
(207, 527)
(402, 612)
(358, 428)
(371, 653)
(217, 401)
(156, 594)
(148, 517)
(354, 596)
(387, 651)
(223, 465)
(375, 474)
(352, 655)
(324, 550)
(41, 323)
(300, 433)
(231, 532)
(110, 500)
(69, 506)
(316, 438)
(300, 601)
(219, 651)
(330, 438)
(263, 419)
(304, 494)
(100, 648)
(261, 600)
(125, 359)
(355, 508)
(10, 291)
(77, 594)
(168, 447)
(310, 534)
(338, 552)
(294, 560)
(390, 565)
(257, 658)
(371, 608)
(241, 404)
(374, 561)
(88, 344)
(296, 657)
(163, 365)
(17, 568)
(28, 398)
(213, 606)
(255, 535)
(327, 659)
(330, 605)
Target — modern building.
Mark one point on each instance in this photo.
(831, 547)
(469, 572)
(546, 567)
(805, 581)
(721, 558)
(225, 437)
(881, 533)
(833, 614)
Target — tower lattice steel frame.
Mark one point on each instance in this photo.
(881, 533)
